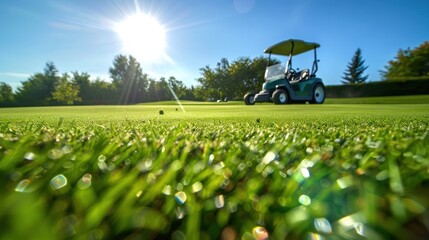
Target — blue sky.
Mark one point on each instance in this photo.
(78, 35)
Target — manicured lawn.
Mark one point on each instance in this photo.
(212, 171)
(414, 99)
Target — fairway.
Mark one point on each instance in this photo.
(215, 171)
(232, 111)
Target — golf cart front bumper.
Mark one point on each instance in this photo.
(263, 96)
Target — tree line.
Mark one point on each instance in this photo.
(228, 80)
(130, 85)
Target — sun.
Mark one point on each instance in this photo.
(142, 36)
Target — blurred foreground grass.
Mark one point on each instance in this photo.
(215, 172)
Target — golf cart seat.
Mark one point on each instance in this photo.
(300, 76)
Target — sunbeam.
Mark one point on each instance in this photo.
(177, 99)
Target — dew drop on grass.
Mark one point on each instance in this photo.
(186, 181)
(211, 158)
(58, 182)
(304, 200)
(350, 221)
(55, 154)
(22, 185)
(145, 166)
(151, 178)
(180, 213)
(322, 225)
(196, 187)
(241, 167)
(68, 165)
(372, 144)
(219, 201)
(199, 166)
(167, 190)
(260, 233)
(305, 173)
(85, 182)
(66, 149)
(217, 168)
(29, 156)
(102, 158)
(139, 193)
(345, 182)
(269, 157)
(102, 165)
(307, 163)
(180, 197)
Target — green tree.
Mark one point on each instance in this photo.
(160, 90)
(248, 74)
(38, 88)
(408, 63)
(178, 87)
(163, 90)
(102, 92)
(151, 91)
(232, 80)
(208, 84)
(94, 92)
(82, 80)
(65, 91)
(6, 94)
(128, 79)
(355, 70)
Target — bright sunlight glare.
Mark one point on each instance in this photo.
(142, 36)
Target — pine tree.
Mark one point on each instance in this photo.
(355, 69)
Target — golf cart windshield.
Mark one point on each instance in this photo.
(275, 72)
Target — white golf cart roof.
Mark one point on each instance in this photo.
(291, 46)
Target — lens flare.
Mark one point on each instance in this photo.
(177, 99)
(142, 36)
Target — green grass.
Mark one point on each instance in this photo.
(409, 99)
(414, 99)
(338, 171)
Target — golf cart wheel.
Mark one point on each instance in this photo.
(318, 94)
(280, 96)
(249, 99)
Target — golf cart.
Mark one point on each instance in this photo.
(283, 84)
